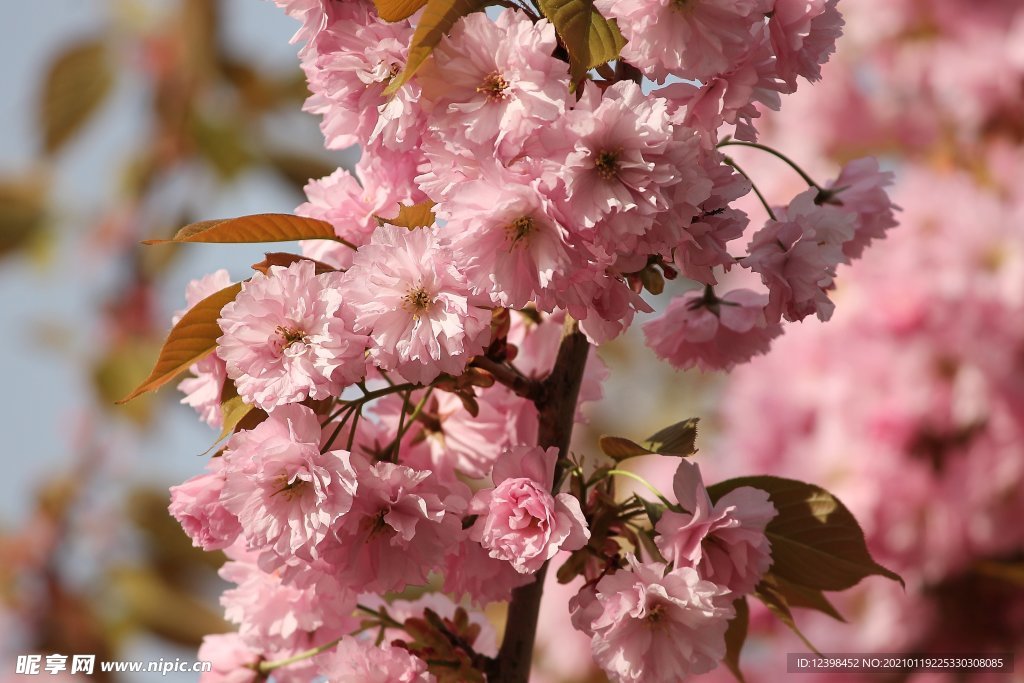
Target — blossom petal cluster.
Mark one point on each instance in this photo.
(395, 383)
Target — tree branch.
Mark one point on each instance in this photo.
(556, 404)
(520, 384)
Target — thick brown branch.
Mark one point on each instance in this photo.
(556, 404)
(508, 375)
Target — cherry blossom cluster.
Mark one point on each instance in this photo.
(392, 379)
(921, 430)
(572, 200)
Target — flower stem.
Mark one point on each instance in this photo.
(267, 667)
(764, 202)
(636, 477)
(765, 148)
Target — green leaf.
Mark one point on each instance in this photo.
(412, 217)
(396, 10)
(589, 38)
(768, 592)
(653, 510)
(573, 566)
(261, 227)
(620, 448)
(816, 541)
(232, 412)
(736, 636)
(646, 538)
(434, 24)
(78, 81)
(677, 439)
(22, 213)
(191, 340)
(807, 598)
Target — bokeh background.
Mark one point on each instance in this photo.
(125, 119)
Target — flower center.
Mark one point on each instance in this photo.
(682, 5)
(393, 71)
(494, 87)
(417, 301)
(519, 230)
(376, 525)
(656, 615)
(607, 164)
(288, 487)
(291, 335)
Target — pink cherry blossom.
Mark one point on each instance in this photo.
(286, 337)
(232, 661)
(712, 333)
(654, 625)
(617, 137)
(693, 39)
(494, 82)
(348, 67)
(274, 616)
(733, 97)
(285, 492)
(358, 661)
(509, 235)
(520, 520)
(398, 530)
(406, 293)
(197, 506)
(859, 189)
(203, 390)
(724, 541)
(803, 35)
(796, 257)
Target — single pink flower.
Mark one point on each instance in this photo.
(287, 337)
(276, 616)
(493, 82)
(860, 190)
(712, 333)
(724, 541)
(285, 492)
(797, 254)
(508, 234)
(617, 137)
(803, 36)
(398, 530)
(691, 39)
(520, 520)
(652, 625)
(406, 293)
(353, 59)
(197, 506)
